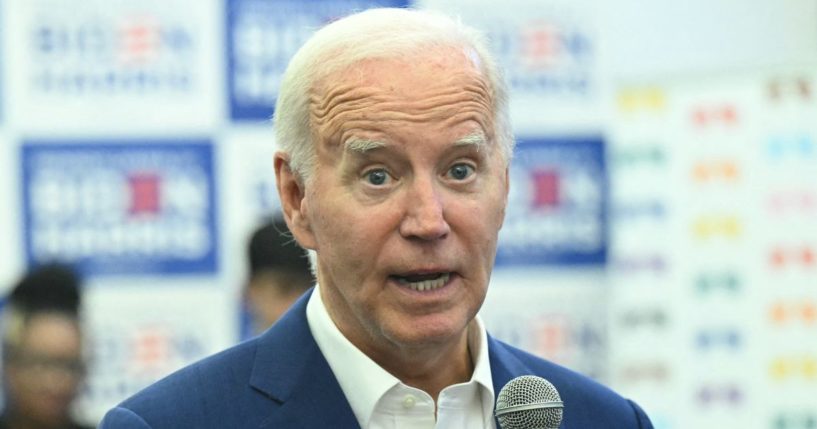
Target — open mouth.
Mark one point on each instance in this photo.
(423, 282)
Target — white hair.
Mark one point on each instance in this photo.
(371, 34)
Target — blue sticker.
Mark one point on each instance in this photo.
(557, 204)
(123, 208)
(262, 36)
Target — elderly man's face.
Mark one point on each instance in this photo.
(406, 200)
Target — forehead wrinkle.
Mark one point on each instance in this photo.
(351, 120)
(347, 121)
(371, 109)
(352, 99)
(322, 105)
(454, 98)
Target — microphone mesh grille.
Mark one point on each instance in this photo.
(524, 390)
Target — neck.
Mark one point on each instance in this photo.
(430, 365)
(430, 369)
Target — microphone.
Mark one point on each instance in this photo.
(529, 402)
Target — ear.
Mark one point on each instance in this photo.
(292, 193)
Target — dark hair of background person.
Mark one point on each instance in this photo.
(51, 287)
(279, 273)
(43, 365)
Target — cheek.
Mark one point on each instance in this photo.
(480, 224)
(344, 233)
(499, 204)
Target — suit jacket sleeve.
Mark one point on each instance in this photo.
(643, 421)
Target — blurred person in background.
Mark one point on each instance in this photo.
(279, 273)
(395, 145)
(43, 363)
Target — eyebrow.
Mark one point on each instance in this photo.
(362, 146)
(476, 139)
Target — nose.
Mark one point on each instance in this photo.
(424, 217)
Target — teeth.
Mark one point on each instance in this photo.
(427, 284)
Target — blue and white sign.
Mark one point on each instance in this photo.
(262, 36)
(138, 53)
(121, 208)
(114, 65)
(141, 333)
(557, 204)
(10, 217)
(550, 53)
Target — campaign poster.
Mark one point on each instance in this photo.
(121, 208)
(11, 254)
(137, 334)
(114, 65)
(247, 169)
(550, 54)
(556, 211)
(556, 315)
(262, 36)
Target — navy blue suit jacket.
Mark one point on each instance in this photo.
(281, 380)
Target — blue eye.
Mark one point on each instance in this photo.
(377, 177)
(461, 171)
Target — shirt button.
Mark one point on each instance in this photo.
(409, 401)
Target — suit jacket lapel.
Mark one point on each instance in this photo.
(290, 369)
(504, 365)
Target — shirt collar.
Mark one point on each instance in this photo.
(478, 340)
(348, 362)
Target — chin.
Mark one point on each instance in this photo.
(424, 333)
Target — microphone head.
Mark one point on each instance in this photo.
(529, 402)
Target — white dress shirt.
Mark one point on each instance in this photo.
(380, 401)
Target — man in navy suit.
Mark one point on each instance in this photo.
(393, 171)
